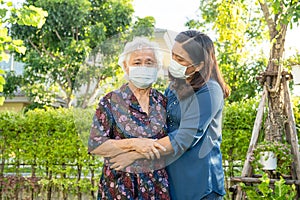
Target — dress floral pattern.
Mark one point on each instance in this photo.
(120, 116)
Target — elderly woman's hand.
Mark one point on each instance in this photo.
(147, 147)
(121, 161)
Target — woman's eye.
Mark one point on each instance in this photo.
(180, 60)
(149, 63)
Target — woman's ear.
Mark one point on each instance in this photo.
(126, 69)
(199, 67)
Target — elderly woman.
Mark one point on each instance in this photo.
(122, 118)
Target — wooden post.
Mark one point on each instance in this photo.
(291, 134)
(257, 180)
(255, 133)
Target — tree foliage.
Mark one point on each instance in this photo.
(27, 16)
(240, 28)
(2, 82)
(75, 51)
(13, 83)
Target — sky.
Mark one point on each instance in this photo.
(169, 14)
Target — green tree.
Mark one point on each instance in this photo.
(279, 15)
(230, 21)
(240, 28)
(13, 82)
(75, 51)
(29, 16)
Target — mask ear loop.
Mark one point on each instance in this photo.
(191, 74)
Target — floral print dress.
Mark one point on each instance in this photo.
(119, 116)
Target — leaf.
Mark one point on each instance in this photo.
(21, 49)
(32, 16)
(2, 13)
(4, 34)
(2, 99)
(2, 80)
(9, 4)
(17, 42)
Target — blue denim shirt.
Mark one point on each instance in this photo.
(194, 128)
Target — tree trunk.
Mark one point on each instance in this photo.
(275, 120)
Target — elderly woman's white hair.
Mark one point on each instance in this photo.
(139, 43)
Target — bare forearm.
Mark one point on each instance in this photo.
(123, 160)
(165, 141)
(142, 146)
(111, 147)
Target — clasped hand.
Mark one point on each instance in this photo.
(149, 148)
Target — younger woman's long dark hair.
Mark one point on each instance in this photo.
(200, 48)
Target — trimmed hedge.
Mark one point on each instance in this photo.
(50, 145)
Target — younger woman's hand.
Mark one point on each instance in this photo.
(147, 147)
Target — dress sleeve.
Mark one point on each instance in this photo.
(197, 112)
(101, 126)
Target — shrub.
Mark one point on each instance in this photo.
(50, 144)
